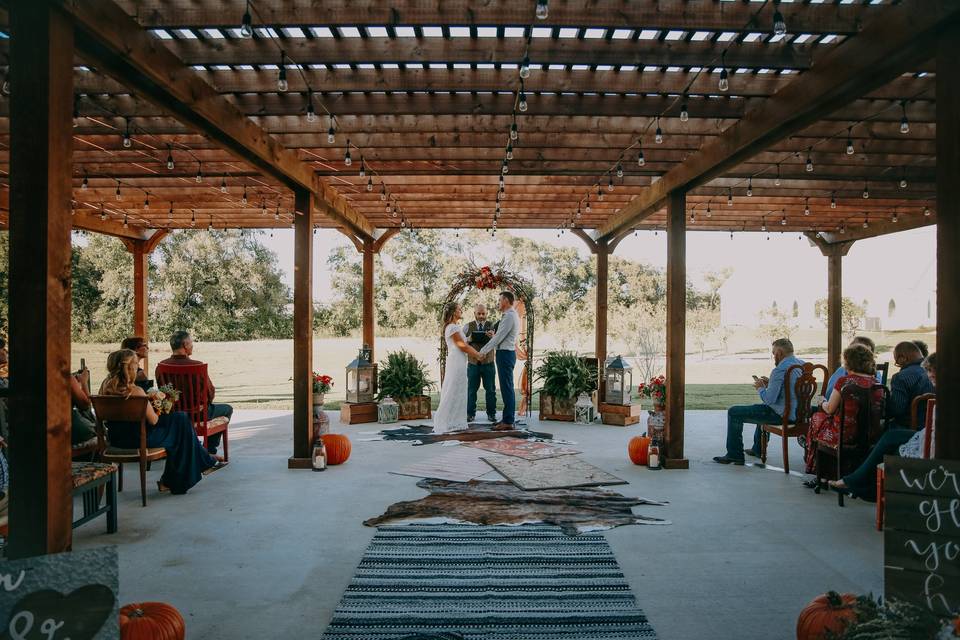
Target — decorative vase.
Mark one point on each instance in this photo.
(656, 424)
(583, 410)
(388, 411)
(317, 398)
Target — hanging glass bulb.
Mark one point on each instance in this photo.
(514, 133)
(783, 221)
(522, 104)
(146, 202)
(894, 218)
(579, 214)
(588, 205)
(193, 217)
(693, 216)
(843, 228)
(684, 113)
(640, 159)
(809, 165)
(363, 168)
(599, 194)
(525, 67)
(866, 223)
(127, 140)
(223, 185)
(504, 168)
(125, 223)
(903, 183)
(849, 142)
(866, 190)
(729, 197)
(119, 197)
(542, 9)
(311, 113)
(779, 24)
(926, 212)
(724, 84)
(806, 207)
(84, 183)
(246, 23)
(763, 224)
(170, 164)
(904, 123)
(282, 84)
(331, 133)
(833, 201)
(347, 160)
(243, 198)
(369, 184)
(383, 192)
(199, 176)
(619, 169)
(776, 180)
(750, 186)
(509, 151)
(658, 135)
(610, 183)
(103, 213)
(393, 214)
(387, 207)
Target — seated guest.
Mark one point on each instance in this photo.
(825, 425)
(841, 371)
(770, 411)
(186, 460)
(82, 425)
(910, 382)
(182, 346)
(908, 443)
(4, 372)
(924, 349)
(141, 348)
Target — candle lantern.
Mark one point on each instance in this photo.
(362, 378)
(583, 410)
(619, 382)
(388, 411)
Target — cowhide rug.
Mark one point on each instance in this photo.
(423, 434)
(493, 503)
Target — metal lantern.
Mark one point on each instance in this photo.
(362, 378)
(583, 411)
(388, 411)
(619, 381)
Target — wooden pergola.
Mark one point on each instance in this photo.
(138, 117)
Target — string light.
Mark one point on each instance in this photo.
(223, 185)
(926, 212)
(843, 228)
(383, 191)
(103, 213)
(610, 183)
(170, 164)
(263, 207)
(729, 197)
(724, 83)
(509, 151)
(504, 168)
(522, 99)
(809, 165)
(243, 198)
(542, 9)
(658, 135)
(903, 177)
(246, 23)
(199, 177)
(640, 159)
(709, 212)
(311, 113)
(127, 141)
(619, 169)
(588, 204)
(849, 141)
(904, 123)
(282, 84)
(750, 186)
(866, 222)
(763, 224)
(525, 67)
(514, 132)
(84, 183)
(894, 219)
(599, 194)
(125, 223)
(693, 216)
(193, 218)
(363, 167)
(866, 190)
(806, 206)
(347, 160)
(776, 180)
(779, 24)
(783, 220)
(684, 113)
(146, 201)
(833, 200)
(119, 197)
(170, 214)
(369, 184)
(331, 133)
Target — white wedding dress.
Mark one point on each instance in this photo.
(452, 412)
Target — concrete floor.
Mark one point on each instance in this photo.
(257, 551)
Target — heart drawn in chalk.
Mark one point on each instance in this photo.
(81, 612)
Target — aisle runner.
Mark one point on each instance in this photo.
(488, 583)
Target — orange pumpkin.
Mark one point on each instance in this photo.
(151, 621)
(337, 446)
(638, 449)
(827, 616)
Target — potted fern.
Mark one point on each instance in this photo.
(404, 378)
(564, 376)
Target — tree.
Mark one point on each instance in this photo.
(851, 314)
(703, 323)
(776, 324)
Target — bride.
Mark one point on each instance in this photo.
(452, 412)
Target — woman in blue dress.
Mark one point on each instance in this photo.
(186, 460)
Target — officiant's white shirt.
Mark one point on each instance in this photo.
(505, 338)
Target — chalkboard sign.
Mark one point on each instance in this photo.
(921, 542)
(56, 597)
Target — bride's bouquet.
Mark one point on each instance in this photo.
(163, 398)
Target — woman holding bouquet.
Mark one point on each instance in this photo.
(186, 458)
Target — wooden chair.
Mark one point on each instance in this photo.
(883, 369)
(117, 409)
(191, 381)
(800, 395)
(870, 413)
(931, 400)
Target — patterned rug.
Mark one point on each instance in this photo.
(421, 434)
(530, 582)
(519, 448)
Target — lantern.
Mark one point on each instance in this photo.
(619, 381)
(388, 411)
(362, 377)
(583, 411)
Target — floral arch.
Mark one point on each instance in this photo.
(498, 278)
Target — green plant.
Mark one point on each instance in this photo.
(896, 619)
(402, 376)
(565, 375)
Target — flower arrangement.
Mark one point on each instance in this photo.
(656, 389)
(163, 398)
(321, 382)
(486, 279)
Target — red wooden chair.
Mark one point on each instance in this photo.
(191, 381)
(931, 400)
(799, 394)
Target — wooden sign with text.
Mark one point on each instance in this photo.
(921, 542)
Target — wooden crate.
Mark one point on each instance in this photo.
(417, 408)
(358, 412)
(556, 409)
(618, 420)
(631, 411)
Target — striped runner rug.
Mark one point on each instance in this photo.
(529, 582)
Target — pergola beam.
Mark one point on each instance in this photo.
(116, 44)
(887, 47)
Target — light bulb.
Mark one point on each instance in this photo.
(709, 212)
(542, 9)
(223, 185)
(903, 183)
(588, 205)
(730, 198)
(170, 164)
(84, 183)
(514, 134)
(693, 217)
(610, 184)
(199, 177)
(776, 181)
(504, 168)
(750, 187)
(146, 203)
(246, 24)
(783, 221)
(779, 24)
(383, 192)
(763, 226)
(363, 168)
(866, 192)
(387, 208)
(125, 223)
(806, 208)
(331, 135)
(127, 142)
(926, 212)
(809, 164)
(866, 223)
(243, 198)
(522, 105)
(119, 197)
(640, 159)
(347, 160)
(904, 123)
(894, 218)
(843, 228)
(525, 67)
(658, 135)
(103, 214)
(684, 114)
(282, 84)
(369, 184)
(619, 170)
(833, 202)
(849, 144)
(311, 114)
(509, 152)
(724, 83)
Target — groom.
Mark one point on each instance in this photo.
(505, 343)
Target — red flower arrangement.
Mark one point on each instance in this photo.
(321, 382)
(486, 279)
(656, 389)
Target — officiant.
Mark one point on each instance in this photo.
(482, 371)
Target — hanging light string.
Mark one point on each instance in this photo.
(682, 99)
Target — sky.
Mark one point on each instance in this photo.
(783, 258)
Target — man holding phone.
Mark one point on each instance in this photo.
(768, 411)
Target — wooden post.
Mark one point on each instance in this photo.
(676, 327)
(600, 339)
(302, 330)
(368, 316)
(141, 259)
(948, 247)
(834, 253)
(41, 77)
